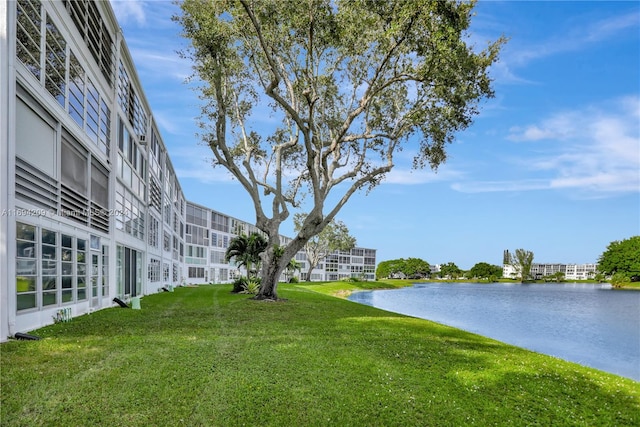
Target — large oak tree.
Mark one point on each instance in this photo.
(315, 98)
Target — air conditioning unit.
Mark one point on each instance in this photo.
(142, 139)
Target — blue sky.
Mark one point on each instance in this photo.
(551, 165)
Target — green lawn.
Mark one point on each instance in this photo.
(206, 357)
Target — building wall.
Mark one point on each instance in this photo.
(75, 164)
(6, 76)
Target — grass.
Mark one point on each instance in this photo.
(206, 357)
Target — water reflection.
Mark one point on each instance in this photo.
(589, 324)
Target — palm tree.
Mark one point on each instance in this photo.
(292, 267)
(246, 250)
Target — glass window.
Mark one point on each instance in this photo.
(81, 268)
(105, 270)
(28, 29)
(26, 267)
(76, 90)
(49, 267)
(55, 63)
(105, 126)
(66, 255)
(93, 112)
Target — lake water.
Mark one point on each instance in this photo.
(592, 325)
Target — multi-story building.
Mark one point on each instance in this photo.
(91, 208)
(207, 237)
(570, 271)
(357, 263)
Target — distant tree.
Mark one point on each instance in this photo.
(450, 270)
(410, 267)
(388, 268)
(334, 237)
(621, 257)
(246, 251)
(416, 267)
(484, 270)
(522, 261)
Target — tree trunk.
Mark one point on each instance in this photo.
(272, 268)
(269, 284)
(275, 260)
(311, 267)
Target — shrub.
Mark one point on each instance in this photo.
(618, 280)
(239, 285)
(293, 280)
(251, 286)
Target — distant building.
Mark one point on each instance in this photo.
(539, 271)
(207, 237)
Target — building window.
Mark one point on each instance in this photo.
(196, 272)
(94, 32)
(93, 112)
(74, 179)
(37, 154)
(67, 267)
(218, 257)
(166, 243)
(153, 231)
(165, 271)
(219, 222)
(105, 270)
(99, 196)
(55, 63)
(39, 281)
(132, 166)
(130, 102)
(154, 270)
(50, 281)
(28, 32)
(26, 268)
(76, 90)
(81, 268)
(130, 212)
(176, 272)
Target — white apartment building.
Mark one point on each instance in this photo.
(90, 206)
(207, 237)
(570, 271)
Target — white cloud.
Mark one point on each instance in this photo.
(501, 186)
(580, 37)
(561, 126)
(165, 59)
(595, 150)
(129, 10)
